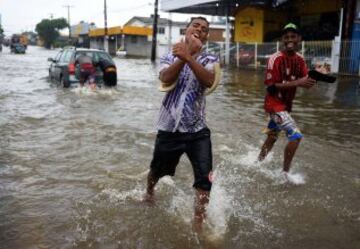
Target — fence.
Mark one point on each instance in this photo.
(331, 56)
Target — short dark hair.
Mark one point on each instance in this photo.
(198, 17)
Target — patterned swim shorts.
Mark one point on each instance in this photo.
(282, 121)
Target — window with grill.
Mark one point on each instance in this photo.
(161, 30)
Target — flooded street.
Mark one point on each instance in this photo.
(73, 165)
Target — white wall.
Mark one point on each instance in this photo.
(163, 39)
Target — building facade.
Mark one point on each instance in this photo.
(80, 33)
(168, 33)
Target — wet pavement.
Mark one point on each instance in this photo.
(73, 165)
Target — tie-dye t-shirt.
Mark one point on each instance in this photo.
(183, 108)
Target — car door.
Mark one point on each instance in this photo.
(65, 61)
(53, 64)
(61, 65)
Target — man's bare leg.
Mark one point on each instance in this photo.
(201, 200)
(289, 153)
(267, 146)
(151, 182)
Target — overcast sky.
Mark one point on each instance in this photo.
(23, 15)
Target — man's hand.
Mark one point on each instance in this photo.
(194, 44)
(184, 50)
(181, 50)
(306, 82)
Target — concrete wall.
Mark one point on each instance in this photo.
(97, 42)
(138, 46)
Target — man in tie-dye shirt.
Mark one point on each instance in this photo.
(187, 74)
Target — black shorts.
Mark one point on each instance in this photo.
(169, 147)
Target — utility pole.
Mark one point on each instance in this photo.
(154, 41)
(227, 36)
(106, 40)
(170, 31)
(68, 8)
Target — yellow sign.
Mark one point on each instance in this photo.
(249, 25)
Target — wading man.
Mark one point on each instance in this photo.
(87, 70)
(187, 74)
(286, 70)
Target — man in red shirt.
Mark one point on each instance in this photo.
(286, 70)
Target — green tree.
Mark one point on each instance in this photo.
(48, 30)
(1, 30)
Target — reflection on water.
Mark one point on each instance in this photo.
(73, 165)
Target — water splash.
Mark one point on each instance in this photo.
(270, 167)
(138, 177)
(116, 196)
(295, 178)
(84, 91)
(224, 148)
(220, 206)
(182, 205)
(87, 91)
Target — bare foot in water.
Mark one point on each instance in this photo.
(149, 199)
(197, 226)
(201, 200)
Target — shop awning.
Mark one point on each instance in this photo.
(216, 8)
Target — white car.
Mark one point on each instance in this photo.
(120, 52)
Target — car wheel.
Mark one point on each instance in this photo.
(64, 83)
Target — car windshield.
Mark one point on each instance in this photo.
(102, 56)
(95, 55)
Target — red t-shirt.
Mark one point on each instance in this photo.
(280, 68)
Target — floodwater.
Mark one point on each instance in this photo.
(73, 165)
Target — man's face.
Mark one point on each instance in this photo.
(291, 40)
(199, 29)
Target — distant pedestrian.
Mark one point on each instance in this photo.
(286, 70)
(187, 74)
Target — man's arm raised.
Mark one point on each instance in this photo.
(204, 76)
(170, 74)
(186, 53)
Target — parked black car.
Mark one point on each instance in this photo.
(17, 48)
(64, 71)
